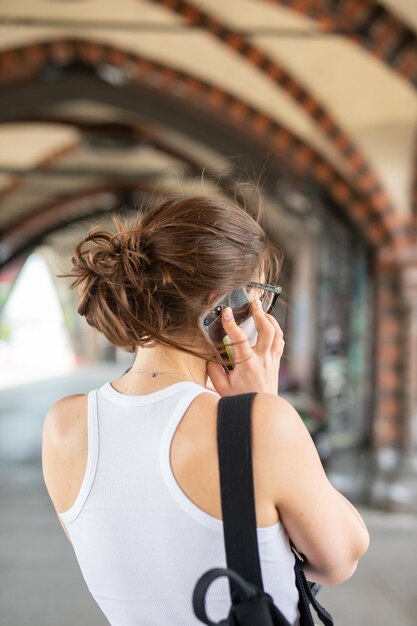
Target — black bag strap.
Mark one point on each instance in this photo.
(306, 594)
(237, 491)
(234, 444)
(247, 592)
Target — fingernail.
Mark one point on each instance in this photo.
(257, 303)
(227, 313)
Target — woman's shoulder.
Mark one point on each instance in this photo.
(282, 440)
(282, 445)
(64, 448)
(66, 401)
(274, 413)
(65, 416)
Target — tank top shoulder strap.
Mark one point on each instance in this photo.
(168, 432)
(192, 391)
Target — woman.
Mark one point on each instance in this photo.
(132, 467)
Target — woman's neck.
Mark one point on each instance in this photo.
(170, 366)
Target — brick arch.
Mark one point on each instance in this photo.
(375, 28)
(183, 89)
(139, 131)
(364, 177)
(378, 223)
(134, 131)
(49, 217)
(46, 163)
(369, 24)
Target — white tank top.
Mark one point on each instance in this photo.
(140, 542)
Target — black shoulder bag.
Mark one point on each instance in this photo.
(251, 605)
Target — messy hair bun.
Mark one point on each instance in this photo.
(150, 281)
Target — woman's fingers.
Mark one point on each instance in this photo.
(270, 336)
(278, 342)
(242, 350)
(209, 384)
(266, 331)
(218, 377)
(258, 367)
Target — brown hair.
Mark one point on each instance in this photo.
(152, 279)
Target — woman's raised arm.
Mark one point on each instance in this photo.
(322, 524)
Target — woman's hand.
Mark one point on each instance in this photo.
(259, 372)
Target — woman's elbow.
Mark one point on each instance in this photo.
(342, 573)
(363, 544)
(335, 574)
(343, 564)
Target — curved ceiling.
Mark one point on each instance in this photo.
(344, 103)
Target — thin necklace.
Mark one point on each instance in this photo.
(153, 372)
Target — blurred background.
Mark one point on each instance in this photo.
(102, 103)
